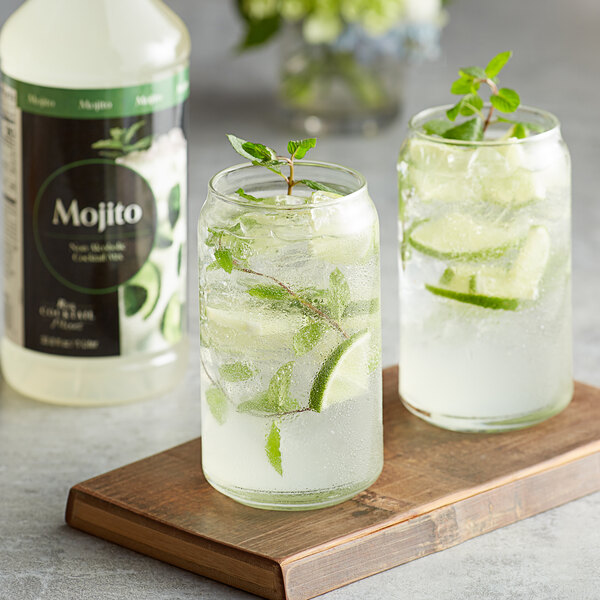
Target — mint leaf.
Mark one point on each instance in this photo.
(471, 130)
(116, 133)
(463, 85)
(224, 260)
(258, 31)
(470, 104)
(362, 307)
(234, 372)
(258, 405)
(242, 193)
(436, 126)
(299, 148)
(217, 404)
(174, 204)
(308, 337)
(252, 151)
(453, 112)
(497, 63)
(506, 100)
(278, 392)
(273, 448)
(260, 153)
(339, 294)
(315, 185)
(108, 144)
(474, 72)
(519, 130)
(268, 292)
(130, 133)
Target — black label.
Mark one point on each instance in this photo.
(100, 231)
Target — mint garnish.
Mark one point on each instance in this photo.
(264, 156)
(339, 293)
(276, 400)
(308, 337)
(238, 371)
(273, 448)
(468, 84)
(217, 404)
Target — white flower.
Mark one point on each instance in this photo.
(320, 28)
(423, 11)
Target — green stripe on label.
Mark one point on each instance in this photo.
(102, 103)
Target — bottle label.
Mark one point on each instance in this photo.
(95, 189)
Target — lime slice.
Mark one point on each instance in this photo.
(244, 328)
(344, 374)
(172, 321)
(142, 291)
(477, 299)
(459, 236)
(497, 288)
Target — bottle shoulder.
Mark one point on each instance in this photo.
(92, 43)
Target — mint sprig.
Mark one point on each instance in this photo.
(262, 155)
(501, 99)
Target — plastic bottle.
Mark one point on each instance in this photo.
(95, 199)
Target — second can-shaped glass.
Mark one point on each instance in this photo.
(485, 264)
(290, 337)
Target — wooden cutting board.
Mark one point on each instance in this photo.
(437, 489)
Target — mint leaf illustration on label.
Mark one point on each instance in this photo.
(217, 404)
(121, 141)
(273, 448)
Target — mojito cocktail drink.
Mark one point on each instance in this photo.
(485, 264)
(290, 338)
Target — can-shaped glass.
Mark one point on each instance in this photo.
(290, 335)
(485, 275)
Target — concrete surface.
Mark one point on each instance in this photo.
(44, 449)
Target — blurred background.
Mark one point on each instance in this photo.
(555, 66)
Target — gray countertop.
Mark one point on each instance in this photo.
(45, 449)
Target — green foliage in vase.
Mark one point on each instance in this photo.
(323, 20)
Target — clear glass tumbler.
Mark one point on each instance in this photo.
(485, 276)
(290, 338)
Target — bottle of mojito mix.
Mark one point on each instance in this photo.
(485, 255)
(95, 189)
(290, 331)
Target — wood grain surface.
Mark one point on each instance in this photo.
(437, 489)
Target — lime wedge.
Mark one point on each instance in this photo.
(495, 287)
(459, 236)
(142, 291)
(344, 374)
